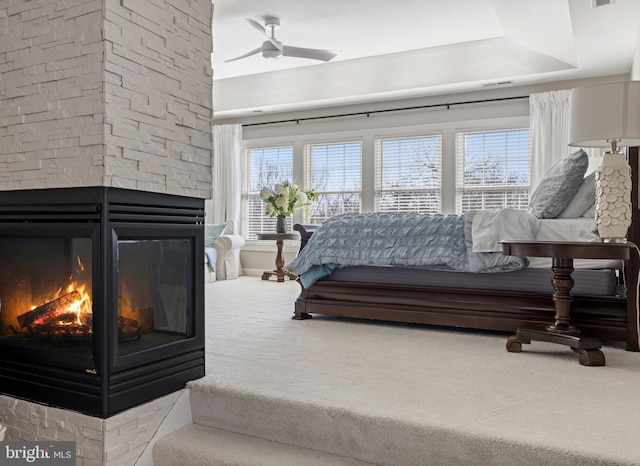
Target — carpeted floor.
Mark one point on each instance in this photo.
(458, 380)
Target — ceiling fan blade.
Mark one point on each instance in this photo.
(258, 26)
(313, 54)
(248, 54)
(263, 30)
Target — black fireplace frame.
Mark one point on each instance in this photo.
(108, 383)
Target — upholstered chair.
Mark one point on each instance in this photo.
(222, 252)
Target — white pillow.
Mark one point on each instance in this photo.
(559, 185)
(584, 198)
(591, 211)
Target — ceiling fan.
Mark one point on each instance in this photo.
(273, 48)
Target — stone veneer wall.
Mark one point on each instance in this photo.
(122, 439)
(103, 93)
(106, 93)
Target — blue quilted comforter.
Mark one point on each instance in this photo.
(397, 239)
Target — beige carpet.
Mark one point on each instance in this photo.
(458, 381)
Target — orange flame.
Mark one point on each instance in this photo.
(81, 307)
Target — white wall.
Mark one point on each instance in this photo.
(394, 118)
(635, 66)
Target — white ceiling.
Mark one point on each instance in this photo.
(410, 48)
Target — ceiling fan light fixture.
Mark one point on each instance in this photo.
(272, 54)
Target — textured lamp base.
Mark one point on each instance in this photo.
(613, 198)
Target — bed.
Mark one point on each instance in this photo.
(604, 294)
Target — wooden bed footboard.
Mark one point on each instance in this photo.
(604, 317)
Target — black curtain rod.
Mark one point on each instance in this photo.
(372, 112)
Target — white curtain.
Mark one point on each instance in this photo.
(227, 174)
(549, 129)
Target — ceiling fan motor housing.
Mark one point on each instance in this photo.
(270, 51)
(271, 22)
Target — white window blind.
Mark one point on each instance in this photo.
(334, 172)
(264, 167)
(493, 169)
(409, 174)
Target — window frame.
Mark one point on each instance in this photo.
(308, 175)
(247, 193)
(380, 190)
(520, 191)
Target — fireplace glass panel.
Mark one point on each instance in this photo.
(46, 294)
(155, 292)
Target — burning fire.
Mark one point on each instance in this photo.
(74, 308)
(67, 312)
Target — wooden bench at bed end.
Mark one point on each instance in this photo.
(305, 230)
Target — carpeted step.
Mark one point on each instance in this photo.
(195, 445)
(355, 433)
(336, 431)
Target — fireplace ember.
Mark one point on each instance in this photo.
(128, 328)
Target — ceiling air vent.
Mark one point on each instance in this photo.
(597, 3)
(498, 83)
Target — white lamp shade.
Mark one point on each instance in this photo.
(605, 112)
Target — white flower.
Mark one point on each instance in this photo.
(284, 198)
(265, 193)
(282, 201)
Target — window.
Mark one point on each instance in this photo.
(334, 172)
(423, 168)
(493, 169)
(264, 167)
(408, 174)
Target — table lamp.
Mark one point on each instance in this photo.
(608, 115)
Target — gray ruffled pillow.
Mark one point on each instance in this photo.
(559, 185)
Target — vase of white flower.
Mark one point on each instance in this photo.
(282, 200)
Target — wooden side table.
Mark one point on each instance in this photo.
(561, 331)
(279, 238)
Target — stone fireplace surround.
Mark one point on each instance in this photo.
(123, 439)
(114, 93)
